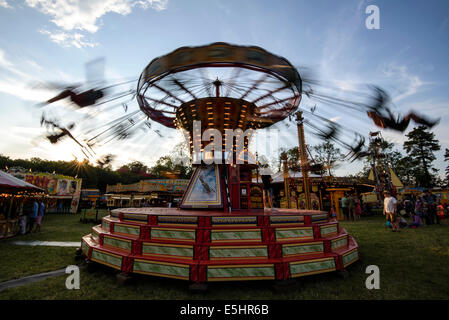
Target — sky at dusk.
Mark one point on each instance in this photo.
(52, 40)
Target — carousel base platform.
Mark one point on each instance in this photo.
(205, 246)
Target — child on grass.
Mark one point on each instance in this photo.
(416, 221)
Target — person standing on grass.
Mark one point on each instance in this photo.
(24, 216)
(390, 210)
(40, 216)
(430, 213)
(358, 207)
(33, 216)
(419, 207)
(351, 207)
(344, 206)
(408, 207)
(440, 212)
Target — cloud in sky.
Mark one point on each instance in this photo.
(67, 39)
(409, 83)
(4, 4)
(84, 15)
(75, 16)
(4, 63)
(17, 76)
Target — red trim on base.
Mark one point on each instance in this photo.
(144, 232)
(202, 244)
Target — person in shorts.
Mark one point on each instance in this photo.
(390, 210)
(32, 217)
(40, 216)
(344, 207)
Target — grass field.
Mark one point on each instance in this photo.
(414, 264)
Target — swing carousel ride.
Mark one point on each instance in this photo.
(221, 230)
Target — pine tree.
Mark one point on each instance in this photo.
(446, 158)
(421, 145)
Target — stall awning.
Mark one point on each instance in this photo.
(10, 183)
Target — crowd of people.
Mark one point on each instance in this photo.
(351, 205)
(31, 215)
(411, 212)
(426, 209)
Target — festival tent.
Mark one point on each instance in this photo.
(394, 178)
(9, 183)
(13, 191)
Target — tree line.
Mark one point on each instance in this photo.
(415, 167)
(98, 176)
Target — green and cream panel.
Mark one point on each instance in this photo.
(250, 221)
(126, 229)
(350, 257)
(308, 267)
(236, 236)
(105, 224)
(106, 258)
(116, 242)
(173, 234)
(319, 218)
(340, 242)
(136, 218)
(86, 243)
(150, 249)
(293, 250)
(328, 230)
(95, 235)
(238, 252)
(240, 272)
(286, 220)
(162, 269)
(294, 234)
(177, 221)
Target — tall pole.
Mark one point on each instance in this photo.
(217, 83)
(285, 171)
(303, 159)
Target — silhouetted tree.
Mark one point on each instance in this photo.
(327, 155)
(421, 145)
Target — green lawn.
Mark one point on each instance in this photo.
(19, 261)
(413, 265)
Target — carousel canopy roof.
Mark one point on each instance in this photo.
(11, 183)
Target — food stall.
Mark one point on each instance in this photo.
(13, 194)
